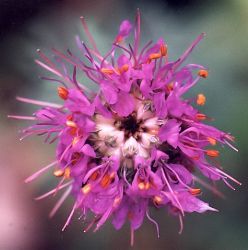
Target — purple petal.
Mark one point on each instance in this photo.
(125, 104)
(160, 105)
(170, 132)
(125, 28)
(191, 204)
(88, 150)
(109, 93)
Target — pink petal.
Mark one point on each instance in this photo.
(124, 105)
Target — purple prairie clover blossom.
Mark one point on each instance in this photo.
(136, 142)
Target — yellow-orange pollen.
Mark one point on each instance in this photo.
(203, 73)
(63, 93)
(201, 99)
(212, 153)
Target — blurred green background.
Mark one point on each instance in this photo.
(28, 25)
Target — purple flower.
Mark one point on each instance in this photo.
(136, 142)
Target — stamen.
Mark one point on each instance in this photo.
(106, 180)
(169, 87)
(212, 141)
(107, 71)
(157, 200)
(141, 186)
(86, 189)
(124, 68)
(71, 124)
(38, 173)
(58, 173)
(37, 102)
(163, 50)
(20, 117)
(212, 153)
(75, 157)
(118, 39)
(63, 93)
(75, 140)
(67, 173)
(153, 57)
(201, 117)
(195, 191)
(116, 202)
(94, 176)
(203, 73)
(147, 185)
(201, 99)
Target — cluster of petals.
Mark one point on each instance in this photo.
(134, 143)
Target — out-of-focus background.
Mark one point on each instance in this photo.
(28, 25)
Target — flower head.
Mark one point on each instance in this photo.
(136, 142)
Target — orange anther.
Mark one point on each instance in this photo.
(73, 131)
(112, 175)
(141, 186)
(105, 181)
(130, 215)
(212, 141)
(118, 39)
(147, 185)
(201, 99)
(124, 68)
(75, 157)
(69, 117)
(163, 50)
(169, 87)
(75, 140)
(196, 157)
(58, 173)
(63, 93)
(212, 153)
(195, 191)
(201, 117)
(86, 189)
(157, 199)
(203, 73)
(67, 173)
(107, 71)
(154, 56)
(117, 201)
(94, 176)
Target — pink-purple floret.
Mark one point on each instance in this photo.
(103, 184)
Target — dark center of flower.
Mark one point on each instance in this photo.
(130, 125)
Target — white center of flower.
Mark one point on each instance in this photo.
(127, 136)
